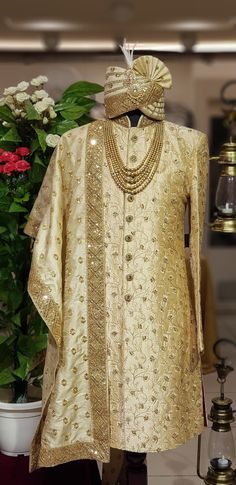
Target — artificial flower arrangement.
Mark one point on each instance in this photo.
(31, 124)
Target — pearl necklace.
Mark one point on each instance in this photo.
(133, 180)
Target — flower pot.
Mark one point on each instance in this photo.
(18, 423)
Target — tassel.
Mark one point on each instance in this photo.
(128, 53)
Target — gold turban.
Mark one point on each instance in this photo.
(139, 87)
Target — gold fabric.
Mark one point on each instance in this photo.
(109, 277)
(209, 324)
(140, 87)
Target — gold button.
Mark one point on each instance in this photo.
(128, 257)
(129, 218)
(133, 158)
(129, 277)
(128, 297)
(134, 138)
(128, 238)
(130, 198)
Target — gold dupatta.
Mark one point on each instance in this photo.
(71, 179)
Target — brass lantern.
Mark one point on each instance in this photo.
(221, 449)
(226, 190)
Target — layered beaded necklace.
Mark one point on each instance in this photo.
(133, 180)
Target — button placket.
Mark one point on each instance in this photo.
(128, 254)
(128, 235)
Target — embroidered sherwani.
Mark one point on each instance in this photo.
(109, 277)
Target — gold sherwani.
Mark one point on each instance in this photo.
(109, 278)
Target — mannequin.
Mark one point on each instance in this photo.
(109, 278)
(134, 116)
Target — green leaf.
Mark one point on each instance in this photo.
(6, 349)
(3, 189)
(15, 207)
(6, 114)
(74, 112)
(10, 295)
(2, 229)
(11, 135)
(40, 342)
(23, 368)
(41, 134)
(3, 130)
(25, 198)
(82, 88)
(9, 145)
(29, 345)
(6, 377)
(4, 273)
(16, 319)
(3, 338)
(34, 145)
(31, 113)
(38, 161)
(9, 221)
(37, 173)
(8, 341)
(5, 203)
(84, 120)
(64, 126)
(73, 101)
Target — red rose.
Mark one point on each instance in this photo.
(1, 168)
(9, 167)
(1, 151)
(22, 151)
(5, 156)
(22, 165)
(13, 158)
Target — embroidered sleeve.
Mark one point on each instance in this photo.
(43, 197)
(198, 186)
(46, 225)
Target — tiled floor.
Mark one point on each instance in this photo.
(178, 467)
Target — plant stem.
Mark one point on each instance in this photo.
(20, 391)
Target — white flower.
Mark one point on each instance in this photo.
(21, 97)
(5, 123)
(17, 111)
(40, 107)
(2, 101)
(45, 120)
(10, 90)
(43, 105)
(22, 86)
(41, 94)
(37, 81)
(49, 101)
(52, 113)
(52, 140)
(9, 100)
(34, 98)
(23, 114)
